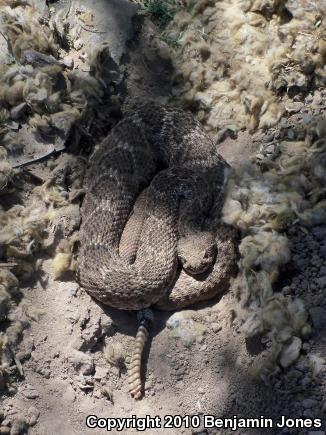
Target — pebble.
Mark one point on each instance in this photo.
(316, 261)
(185, 328)
(68, 62)
(306, 118)
(100, 373)
(19, 426)
(33, 415)
(163, 50)
(78, 44)
(309, 403)
(322, 271)
(286, 290)
(306, 347)
(306, 381)
(69, 395)
(81, 362)
(199, 431)
(317, 99)
(317, 363)
(322, 250)
(73, 288)
(319, 232)
(97, 394)
(318, 317)
(293, 375)
(294, 107)
(321, 282)
(19, 111)
(291, 352)
(291, 133)
(107, 393)
(216, 327)
(6, 422)
(30, 393)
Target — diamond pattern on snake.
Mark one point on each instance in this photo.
(151, 233)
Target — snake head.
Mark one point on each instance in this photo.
(197, 252)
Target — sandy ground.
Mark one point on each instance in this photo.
(197, 361)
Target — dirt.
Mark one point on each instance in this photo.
(74, 351)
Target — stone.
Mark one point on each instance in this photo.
(306, 347)
(318, 317)
(91, 333)
(37, 59)
(97, 394)
(183, 327)
(216, 327)
(100, 373)
(78, 44)
(286, 290)
(81, 362)
(322, 250)
(294, 107)
(68, 62)
(306, 118)
(319, 232)
(163, 50)
(309, 403)
(306, 381)
(107, 393)
(317, 363)
(18, 111)
(19, 426)
(318, 99)
(73, 288)
(33, 415)
(322, 271)
(307, 413)
(30, 393)
(69, 395)
(321, 282)
(4, 303)
(63, 121)
(291, 352)
(39, 97)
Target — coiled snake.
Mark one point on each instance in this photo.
(151, 233)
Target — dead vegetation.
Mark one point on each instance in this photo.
(243, 64)
(43, 100)
(239, 65)
(283, 185)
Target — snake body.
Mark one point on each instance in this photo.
(154, 193)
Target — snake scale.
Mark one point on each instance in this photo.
(151, 233)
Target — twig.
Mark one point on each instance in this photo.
(39, 159)
(8, 44)
(68, 10)
(17, 362)
(8, 264)
(91, 30)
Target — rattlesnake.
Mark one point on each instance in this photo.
(154, 193)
